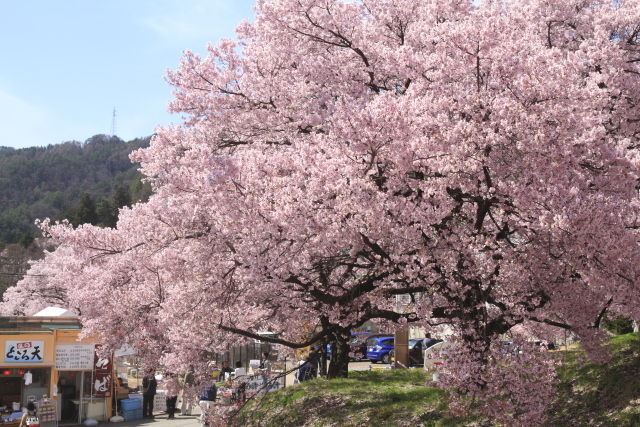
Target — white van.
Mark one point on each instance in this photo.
(436, 354)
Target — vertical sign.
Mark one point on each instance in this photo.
(102, 371)
(24, 351)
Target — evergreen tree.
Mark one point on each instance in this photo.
(122, 197)
(68, 214)
(107, 212)
(27, 239)
(86, 211)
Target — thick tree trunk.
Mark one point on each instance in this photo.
(339, 365)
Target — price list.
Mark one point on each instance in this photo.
(74, 357)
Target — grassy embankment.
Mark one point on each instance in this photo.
(600, 395)
(589, 395)
(368, 398)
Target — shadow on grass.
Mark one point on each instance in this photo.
(600, 395)
(368, 398)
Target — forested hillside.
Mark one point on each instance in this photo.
(41, 182)
(81, 182)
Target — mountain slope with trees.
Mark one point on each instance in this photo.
(41, 182)
(81, 182)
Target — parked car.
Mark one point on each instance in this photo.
(378, 349)
(358, 349)
(358, 345)
(416, 353)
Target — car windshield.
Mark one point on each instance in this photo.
(412, 343)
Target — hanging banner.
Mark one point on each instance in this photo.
(102, 376)
(23, 351)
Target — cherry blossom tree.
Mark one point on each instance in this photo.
(479, 159)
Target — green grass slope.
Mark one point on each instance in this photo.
(588, 395)
(368, 398)
(600, 395)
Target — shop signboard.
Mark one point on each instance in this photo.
(102, 371)
(76, 357)
(256, 384)
(24, 351)
(160, 402)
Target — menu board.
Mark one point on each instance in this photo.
(76, 357)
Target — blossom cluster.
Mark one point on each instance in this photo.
(476, 162)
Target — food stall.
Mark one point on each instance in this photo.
(45, 363)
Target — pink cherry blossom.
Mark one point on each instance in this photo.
(480, 158)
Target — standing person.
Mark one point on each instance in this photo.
(30, 418)
(314, 359)
(226, 369)
(189, 382)
(305, 370)
(265, 368)
(172, 388)
(265, 363)
(301, 362)
(149, 386)
(239, 369)
(428, 341)
(206, 398)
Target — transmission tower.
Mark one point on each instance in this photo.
(113, 123)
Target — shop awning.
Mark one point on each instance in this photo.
(55, 312)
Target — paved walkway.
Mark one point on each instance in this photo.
(160, 420)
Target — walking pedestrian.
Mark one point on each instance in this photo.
(314, 359)
(187, 386)
(172, 388)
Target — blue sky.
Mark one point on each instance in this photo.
(65, 64)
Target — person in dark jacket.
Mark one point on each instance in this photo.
(149, 386)
(226, 369)
(305, 371)
(314, 359)
(428, 341)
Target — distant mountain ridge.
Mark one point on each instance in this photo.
(41, 182)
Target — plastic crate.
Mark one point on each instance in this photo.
(132, 414)
(129, 404)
